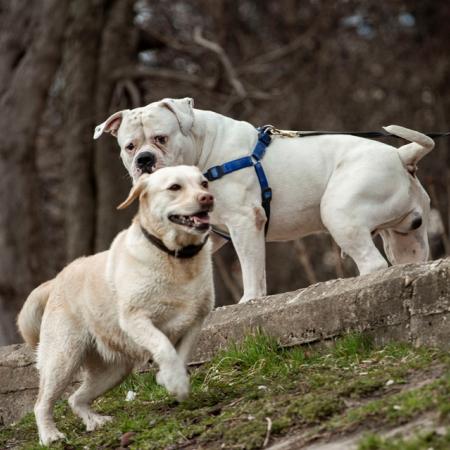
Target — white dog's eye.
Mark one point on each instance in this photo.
(205, 184)
(174, 187)
(162, 140)
(130, 146)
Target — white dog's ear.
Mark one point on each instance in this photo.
(135, 192)
(110, 125)
(183, 108)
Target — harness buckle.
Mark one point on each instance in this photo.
(214, 173)
(265, 138)
(266, 194)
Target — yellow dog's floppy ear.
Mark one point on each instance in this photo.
(135, 192)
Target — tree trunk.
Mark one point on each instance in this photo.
(80, 67)
(22, 104)
(113, 184)
(15, 39)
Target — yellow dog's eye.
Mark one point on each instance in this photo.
(174, 187)
(162, 140)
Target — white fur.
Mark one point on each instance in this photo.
(109, 311)
(352, 187)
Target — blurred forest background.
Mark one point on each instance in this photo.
(298, 64)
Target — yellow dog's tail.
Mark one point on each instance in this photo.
(412, 153)
(30, 316)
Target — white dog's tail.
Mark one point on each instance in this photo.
(412, 153)
(30, 316)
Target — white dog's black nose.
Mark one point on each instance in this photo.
(145, 162)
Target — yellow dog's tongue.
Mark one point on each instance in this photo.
(200, 219)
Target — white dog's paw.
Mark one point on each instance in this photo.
(49, 436)
(175, 379)
(94, 421)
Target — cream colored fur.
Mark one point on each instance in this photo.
(30, 317)
(105, 313)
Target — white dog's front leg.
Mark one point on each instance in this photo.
(172, 371)
(249, 242)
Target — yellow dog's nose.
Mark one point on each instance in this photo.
(206, 200)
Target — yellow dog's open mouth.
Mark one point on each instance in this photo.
(199, 220)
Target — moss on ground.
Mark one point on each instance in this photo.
(319, 392)
(429, 440)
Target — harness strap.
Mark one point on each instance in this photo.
(217, 172)
(264, 140)
(265, 134)
(266, 192)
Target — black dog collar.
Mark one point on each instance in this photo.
(185, 252)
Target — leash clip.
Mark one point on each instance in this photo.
(214, 173)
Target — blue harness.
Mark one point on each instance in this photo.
(216, 172)
(264, 139)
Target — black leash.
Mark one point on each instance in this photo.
(364, 134)
(183, 253)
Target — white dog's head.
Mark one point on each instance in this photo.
(174, 204)
(154, 136)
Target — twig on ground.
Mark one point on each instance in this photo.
(269, 429)
(235, 402)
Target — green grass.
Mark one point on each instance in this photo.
(318, 391)
(429, 440)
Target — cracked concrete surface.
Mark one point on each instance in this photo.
(409, 303)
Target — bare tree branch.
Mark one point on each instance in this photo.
(126, 92)
(173, 75)
(168, 40)
(224, 59)
(276, 53)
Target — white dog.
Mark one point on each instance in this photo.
(350, 186)
(146, 296)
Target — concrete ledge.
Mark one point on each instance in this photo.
(408, 303)
(18, 382)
